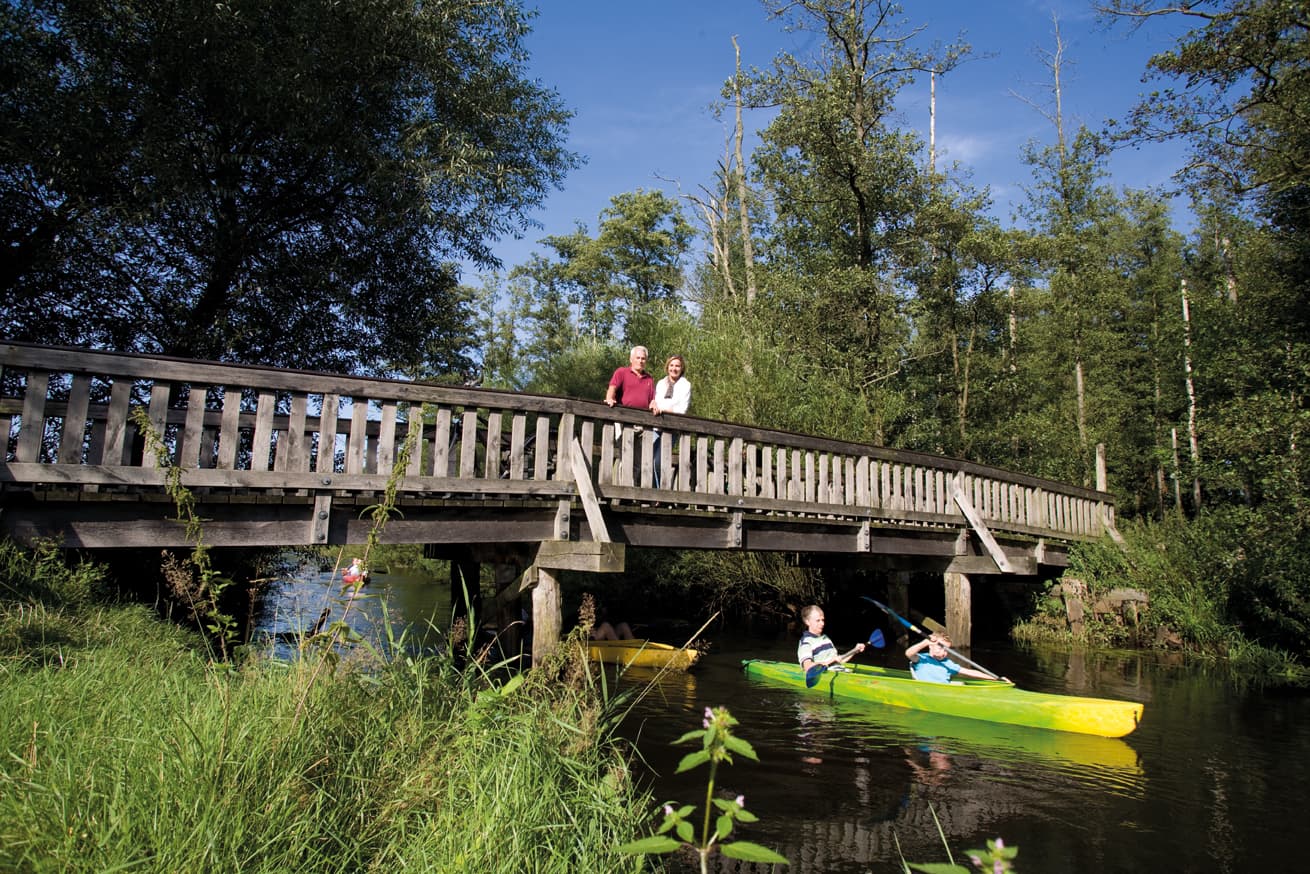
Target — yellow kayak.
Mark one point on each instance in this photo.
(642, 653)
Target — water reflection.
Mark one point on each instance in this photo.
(844, 788)
(409, 610)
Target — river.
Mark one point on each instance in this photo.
(1203, 785)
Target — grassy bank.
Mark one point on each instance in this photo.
(126, 748)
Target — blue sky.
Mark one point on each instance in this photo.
(641, 76)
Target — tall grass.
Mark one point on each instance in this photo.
(126, 749)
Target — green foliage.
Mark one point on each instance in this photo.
(632, 265)
(1241, 91)
(131, 751)
(43, 575)
(718, 745)
(209, 179)
(583, 371)
(1230, 584)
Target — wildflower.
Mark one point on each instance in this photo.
(741, 800)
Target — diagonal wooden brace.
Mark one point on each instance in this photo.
(979, 527)
(587, 494)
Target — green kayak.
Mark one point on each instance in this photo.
(988, 700)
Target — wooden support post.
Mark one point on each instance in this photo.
(507, 610)
(898, 598)
(959, 608)
(546, 616)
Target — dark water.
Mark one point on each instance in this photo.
(1214, 780)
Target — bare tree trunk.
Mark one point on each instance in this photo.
(1014, 331)
(1230, 277)
(748, 251)
(1178, 472)
(1193, 441)
(932, 122)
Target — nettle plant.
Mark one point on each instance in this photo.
(678, 830)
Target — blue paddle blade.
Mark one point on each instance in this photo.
(876, 639)
(813, 674)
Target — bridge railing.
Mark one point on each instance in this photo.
(68, 415)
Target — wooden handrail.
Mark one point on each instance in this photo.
(68, 416)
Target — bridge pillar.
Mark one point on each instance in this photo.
(959, 608)
(546, 615)
(898, 598)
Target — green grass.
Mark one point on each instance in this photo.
(126, 749)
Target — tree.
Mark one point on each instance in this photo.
(1244, 95)
(285, 183)
(634, 263)
(844, 185)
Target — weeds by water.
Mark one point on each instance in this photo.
(1205, 597)
(127, 748)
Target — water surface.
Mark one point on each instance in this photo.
(1212, 781)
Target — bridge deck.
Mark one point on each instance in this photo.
(283, 457)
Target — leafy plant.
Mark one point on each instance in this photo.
(718, 744)
(194, 580)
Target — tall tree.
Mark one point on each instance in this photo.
(286, 183)
(634, 263)
(844, 185)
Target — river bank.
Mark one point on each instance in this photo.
(128, 748)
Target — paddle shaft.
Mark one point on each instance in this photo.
(816, 670)
(917, 630)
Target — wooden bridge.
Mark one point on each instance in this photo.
(531, 483)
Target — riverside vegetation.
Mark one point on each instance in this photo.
(127, 747)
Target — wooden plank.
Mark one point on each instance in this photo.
(823, 493)
(386, 462)
(864, 497)
(468, 444)
(608, 436)
(959, 608)
(668, 450)
(646, 458)
(193, 431)
(546, 617)
(564, 445)
(31, 432)
(781, 480)
(357, 440)
(229, 436)
(750, 483)
(326, 462)
(298, 433)
(717, 477)
(735, 462)
(72, 436)
(980, 528)
(684, 462)
(321, 519)
(492, 460)
(261, 444)
(587, 494)
(120, 395)
(518, 439)
(541, 449)
(441, 443)
(627, 457)
(160, 393)
(703, 465)
(415, 436)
